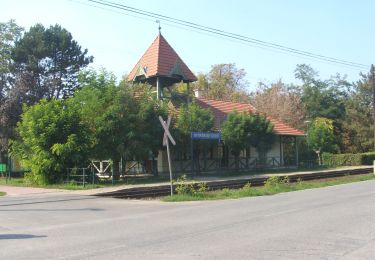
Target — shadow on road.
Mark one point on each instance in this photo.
(18, 236)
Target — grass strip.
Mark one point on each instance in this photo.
(277, 185)
(2, 193)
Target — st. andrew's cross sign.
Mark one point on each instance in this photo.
(168, 137)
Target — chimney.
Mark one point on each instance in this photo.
(198, 93)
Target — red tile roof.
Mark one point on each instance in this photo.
(161, 60)
(220, 109)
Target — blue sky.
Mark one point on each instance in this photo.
(339, 29)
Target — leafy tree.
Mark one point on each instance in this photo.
(192, 118)
(52, 138)
(149, 133)
(234, 133)
(320, 136)
(110, 113)
(240, 130)
(10, 32)
(44, 64)
(322, 98)
(280, 101)
(325, 98)
(260, 134)
(52, 60)
(358, 125)
(224, 81)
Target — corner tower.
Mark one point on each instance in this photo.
(160, 66)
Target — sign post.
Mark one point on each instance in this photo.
(168, 137)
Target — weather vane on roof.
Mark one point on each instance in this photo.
(158, 22)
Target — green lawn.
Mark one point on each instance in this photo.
(2, 193)
(273, 187)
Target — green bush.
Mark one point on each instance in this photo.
(51, 138)
(348, 159)
(184, 188)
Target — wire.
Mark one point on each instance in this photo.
(212, 31)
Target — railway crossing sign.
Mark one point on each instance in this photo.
(167, 134)
(166, 138)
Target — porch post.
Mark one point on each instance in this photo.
(281, 151)
(188, 92)
(296, 142)
(158, 96)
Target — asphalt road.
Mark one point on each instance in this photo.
(328, 223)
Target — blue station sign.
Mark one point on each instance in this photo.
(206, 135)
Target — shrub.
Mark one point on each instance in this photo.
(51, 138)
(183, 188)
(348, 159)
(272, 182)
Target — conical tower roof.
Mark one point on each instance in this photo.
(161, 60)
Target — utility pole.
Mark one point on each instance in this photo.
(372, 82)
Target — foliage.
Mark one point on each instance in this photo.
(275, 182)
(149, 132)
(260, 134)
(193, 118)
(224, 81)
(234, 133)
(240, 130)
(42, 63)
(193, 189)
(52, 138)
(10, 32)
(322, 98)
(321, 136)
(51, 59)
(110, 111)
(348, 159)
(325, 98)
(358, 125)
(280, 101)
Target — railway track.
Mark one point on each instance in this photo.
(164, 190)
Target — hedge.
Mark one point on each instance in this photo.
(348, 159)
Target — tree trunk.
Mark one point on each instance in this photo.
(319, 158)
(155, 165)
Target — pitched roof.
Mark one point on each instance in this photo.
(160, 59)
(220, 109)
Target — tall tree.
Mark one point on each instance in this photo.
(321, 136)
(45, 64)
(325, 98)
(280, 101)
(110, 112)
(192, 118)
(242, 130)
(359, 120)
(149, 133)
(53, 60)
(10, 32)
(224, 81)
(52, 138)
